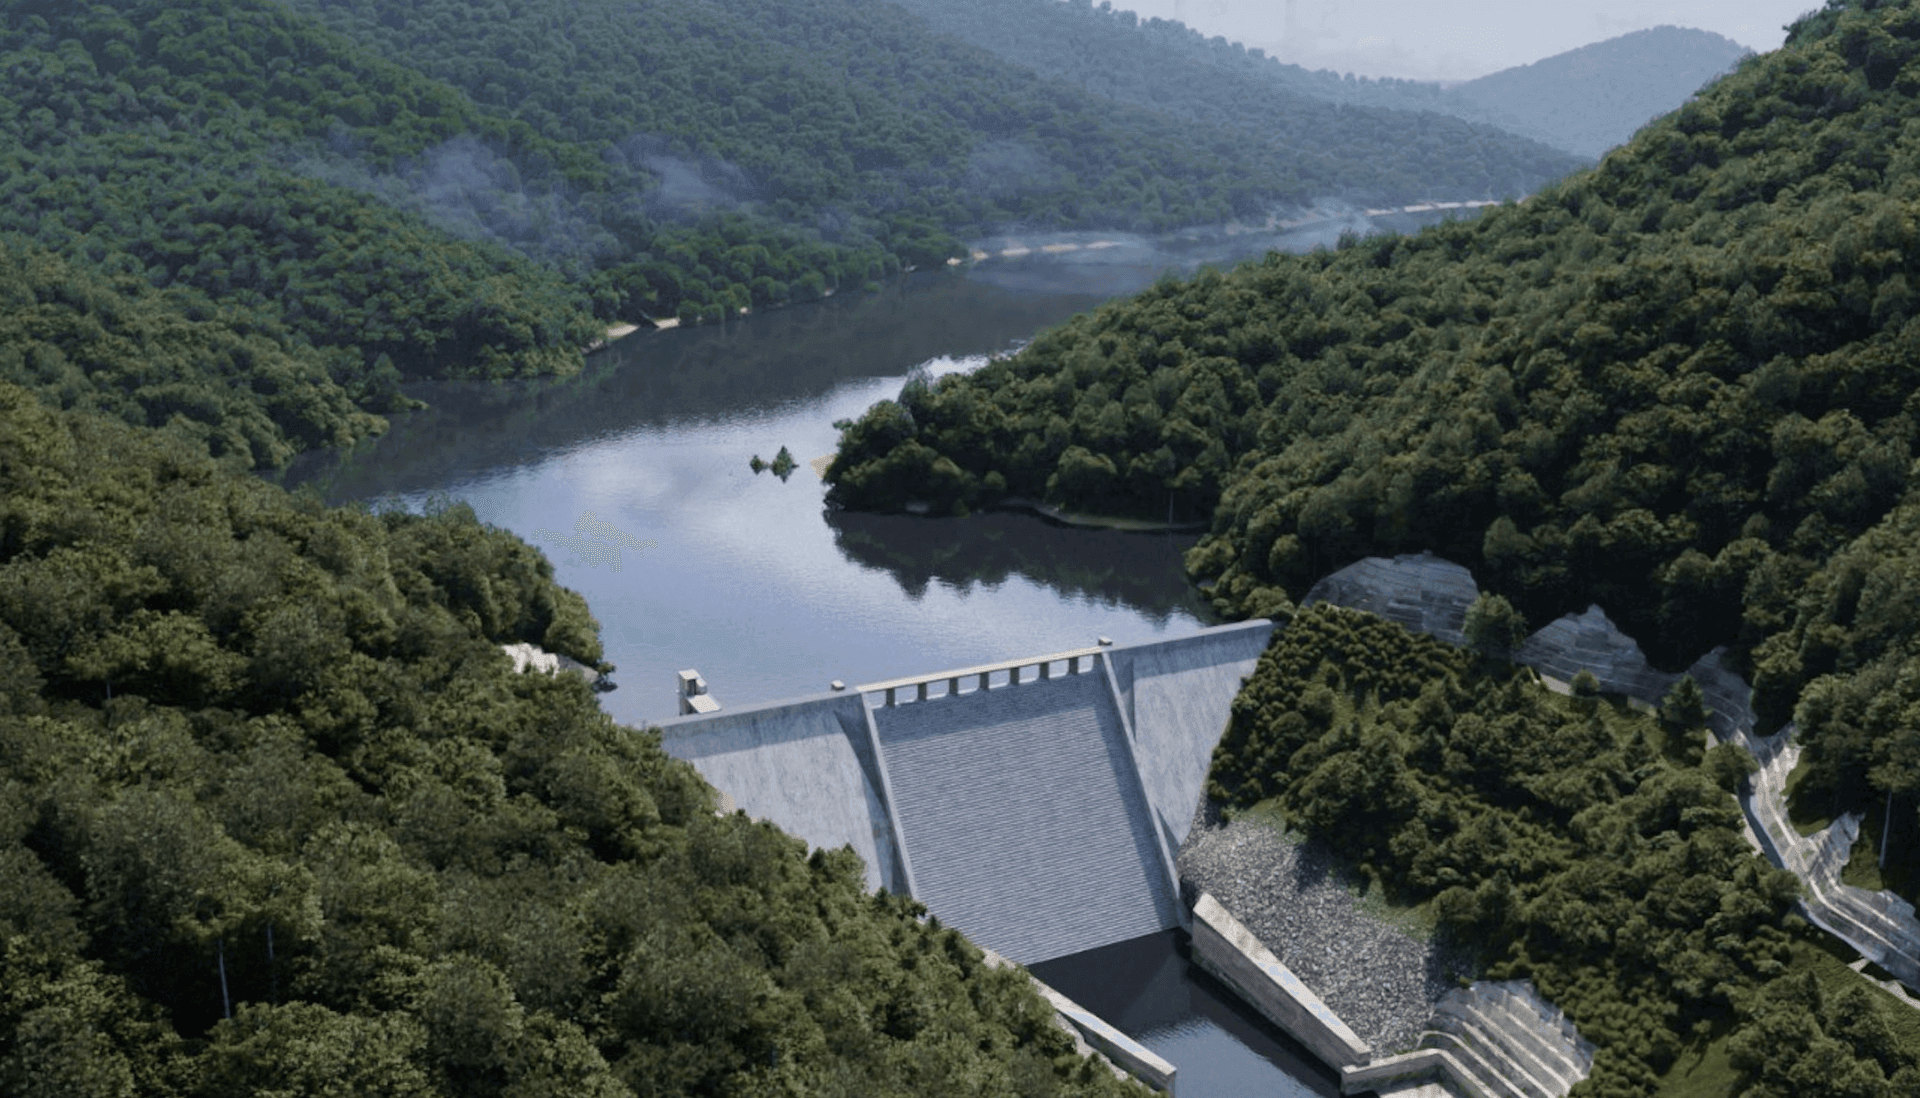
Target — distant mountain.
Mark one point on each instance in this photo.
(1582, 102)
(1588, 100)
(1368, 141)
(350, 194)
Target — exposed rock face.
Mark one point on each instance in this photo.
(1420, 591)
(1591, 642)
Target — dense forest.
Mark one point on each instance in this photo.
(1590, 847)
(1397, 152)
(272, 800)
(1680, 385)
(384, 192)
(277, 816)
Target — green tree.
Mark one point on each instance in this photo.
(1493, 627)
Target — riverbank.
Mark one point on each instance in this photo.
(1098, 522)
(617, 331)
(1078, 519)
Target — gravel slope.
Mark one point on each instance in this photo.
(1292, 895)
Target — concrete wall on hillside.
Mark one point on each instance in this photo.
(1178, 696)
(1420, 591)
(806, 765)
(1589, 641)
(1229, 951)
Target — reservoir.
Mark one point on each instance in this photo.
(754, 583)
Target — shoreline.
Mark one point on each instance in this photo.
(615, 332)
(1050, 513)
(1087, 521)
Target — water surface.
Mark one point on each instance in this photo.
(691, 561)
(1219, 1046)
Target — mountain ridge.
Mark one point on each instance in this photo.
(1590, 99)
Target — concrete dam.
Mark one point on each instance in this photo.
(1035, 804)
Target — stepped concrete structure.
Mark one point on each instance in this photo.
(1590, 642)
(1047, 857)
(1510, 1040)
(1490, 1040)
(1034, 803)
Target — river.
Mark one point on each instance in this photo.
(750, 580)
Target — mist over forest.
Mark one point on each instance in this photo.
(277, 815)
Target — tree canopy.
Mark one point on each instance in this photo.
(449, 189)
(1675, 384)
(277, 816)
(1681, 385)
(1574, 841)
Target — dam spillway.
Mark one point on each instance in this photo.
(1034, 803)
(1035, 849)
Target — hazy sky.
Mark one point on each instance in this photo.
(1459, 39)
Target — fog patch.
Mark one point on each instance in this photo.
(1116, 263)
(1008, 166)
(466, 189)
(686, 185)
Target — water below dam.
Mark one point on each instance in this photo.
(1148, 990)
(753, 582)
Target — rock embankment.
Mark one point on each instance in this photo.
(1291, 894)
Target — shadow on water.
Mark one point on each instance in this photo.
(1142, 572)
(1221, 1048)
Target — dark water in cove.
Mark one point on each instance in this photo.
(751, 581)
(1147, 989)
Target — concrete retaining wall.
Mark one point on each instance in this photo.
(1093, 1035)
(1228, 950)
(1135, 1058)
(807, 766)
(1394, 1072)
(1880, 925)
(1177, 697)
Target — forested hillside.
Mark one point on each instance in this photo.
(1577, 104)
(80, 338)
(150, 139)
(1404, 145)
(437, 189)
(278, 817)
(1590, 99)
(1573, 841)
(1680, 385)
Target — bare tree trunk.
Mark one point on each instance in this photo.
(226, 1003)
(273, 973)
